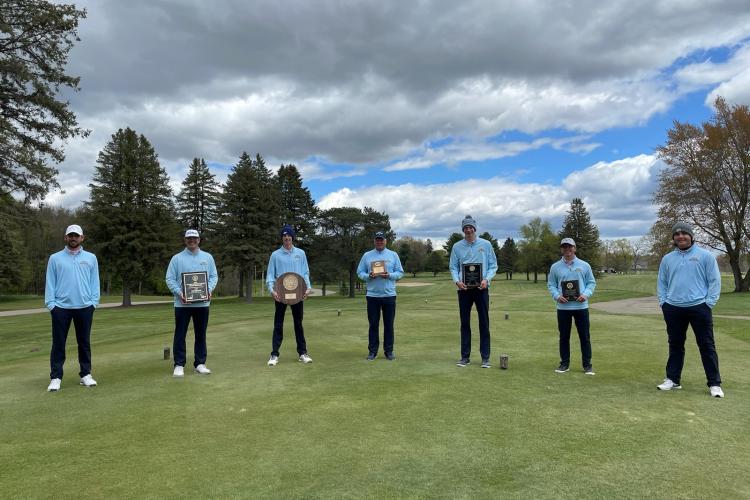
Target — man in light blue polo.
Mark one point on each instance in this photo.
(288, 259)
(473, 250)
(191, 259)
(576, 277)
(71, 293)
(381, 294)
(688, 287)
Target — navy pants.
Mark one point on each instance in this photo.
(564, 319)
(61, 318)
(278, 327)
(376, 306)
(182, 317)
(480, 299)
(701, 320)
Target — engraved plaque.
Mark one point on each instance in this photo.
(291, 288)
(377, 267)
(472, 275)
(570, 290)
(195, 286)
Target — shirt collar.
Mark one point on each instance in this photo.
(73, 252)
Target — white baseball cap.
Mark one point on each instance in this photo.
(192, 233)
(74, 228)
(567, 241)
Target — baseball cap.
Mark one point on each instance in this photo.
(567, 241)
(192, 233)
(379, 234)
(74, 229)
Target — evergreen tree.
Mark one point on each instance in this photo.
(249, 218)
(131, 216)
(34, 124)
(197, 202)
(577, 225)
(297, 206)
(508, 259)
(437, 262)
(539, 247)
(452, 240)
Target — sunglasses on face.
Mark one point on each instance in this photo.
(681, 233)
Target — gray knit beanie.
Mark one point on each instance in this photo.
(469, 221)
(685, 228)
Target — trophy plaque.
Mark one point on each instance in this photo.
(377, 267)
(570, 290)
(195, 286)
(291, 288)
(472, 275)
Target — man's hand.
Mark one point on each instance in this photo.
(182, 298)
(582, 298)
(460, 285)
(307, 293)
(483, 285)
(385, 275)
(276, 296)
(562, 300)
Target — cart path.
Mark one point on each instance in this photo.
(642, 305)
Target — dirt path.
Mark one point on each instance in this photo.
(21, 312)
(642, 305)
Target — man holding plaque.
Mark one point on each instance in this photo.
(192, 277)
(380, 268)
(473, 265)
(287, 259)
(571, 283)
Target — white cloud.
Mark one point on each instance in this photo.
(617, 195)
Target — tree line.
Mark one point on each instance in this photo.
(133, 217)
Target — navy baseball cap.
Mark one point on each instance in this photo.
(380, 234)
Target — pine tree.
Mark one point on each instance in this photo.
(197, 202)
(577, 225)
(297, 206)
(508, 259)
(131, 215)
(249, 219)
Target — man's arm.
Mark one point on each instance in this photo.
(94, 282)
(50, 284)
(714, 281)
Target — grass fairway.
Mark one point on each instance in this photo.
(417, 427)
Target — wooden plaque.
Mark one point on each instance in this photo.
(195, 286)
(377, 267)
(291, 288)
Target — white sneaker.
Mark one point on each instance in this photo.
(179, 371)
(668, 385)
(54, 385)
(273, 361)
(88, 381)
(305, 358)
(716, 391)
(202, 370)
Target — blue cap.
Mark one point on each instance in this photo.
(287, 230)
(380, 234)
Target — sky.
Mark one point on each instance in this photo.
(426, 110)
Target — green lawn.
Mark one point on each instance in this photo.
(418, 427)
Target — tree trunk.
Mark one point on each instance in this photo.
(242, 284)
(140, 287)
(745, 285)
(249, 288)
(126, 295)
(527, 276)
(324, 289)
(352, 272)
(109, 283)
(536, 277)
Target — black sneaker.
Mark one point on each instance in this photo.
(390, 356)
(562, 368)
(463, 362)
(371, 356)
(589, 370)
(486, 363)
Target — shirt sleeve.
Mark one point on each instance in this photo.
(362, 271)
(491, 264)
(94, 282)
(589, 283)
(453, 264)
(662, 281)
(714, 281)
(552, 284)
(213, 274)
(271, 274)
(398, 270)
(50, 284)
(172, 279)
(306, 270)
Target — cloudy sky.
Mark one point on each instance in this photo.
(427, 110)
